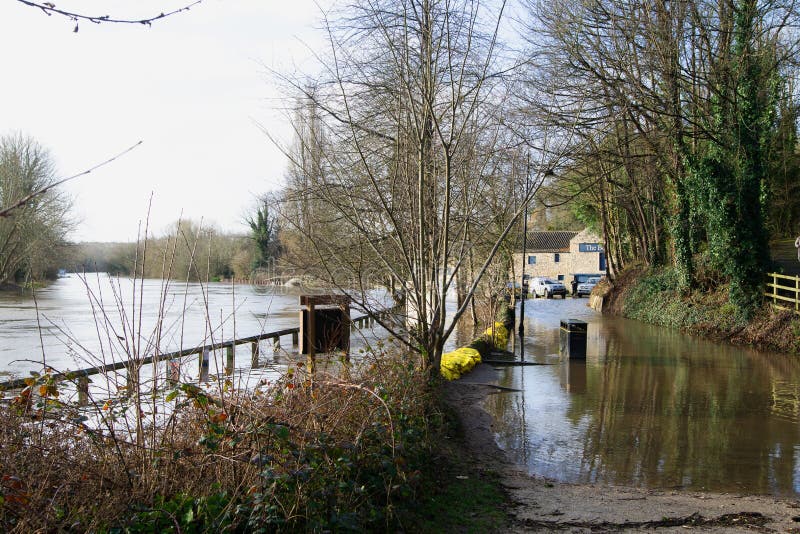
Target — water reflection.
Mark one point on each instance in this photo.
(650, 407)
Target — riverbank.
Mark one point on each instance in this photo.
(652, 296)
(535, 504)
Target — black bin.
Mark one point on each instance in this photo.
(573, 339)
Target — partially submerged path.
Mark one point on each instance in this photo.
(541, 505)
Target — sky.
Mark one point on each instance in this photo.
(194, 88)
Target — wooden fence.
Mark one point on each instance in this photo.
(132, 367)
(784, 291)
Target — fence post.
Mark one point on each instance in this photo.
(797, 294)
(276, 344)
(295, 339)
(83, 390)
(230, 352)
(173, 371)
(133, 379)
(310, 338)
(204, 362)
(254, 355)
(774, 288)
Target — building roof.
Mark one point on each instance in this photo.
(548, 241)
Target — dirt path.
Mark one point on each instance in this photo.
(540, 505)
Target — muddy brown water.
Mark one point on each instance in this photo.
(650, 407)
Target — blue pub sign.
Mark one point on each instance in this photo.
(590, 247)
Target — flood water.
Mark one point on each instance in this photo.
(650, 407)
(77, 323)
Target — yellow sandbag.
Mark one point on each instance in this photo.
(498, 334)
(460, 361)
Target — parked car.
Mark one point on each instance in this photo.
(513, 288)
(545, 287)
(585, 288)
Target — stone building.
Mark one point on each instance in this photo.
(561, 256)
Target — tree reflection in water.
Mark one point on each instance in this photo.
(651, 407)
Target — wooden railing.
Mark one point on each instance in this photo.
(784, 291)
(81, 376)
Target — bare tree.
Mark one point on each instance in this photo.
(32, 232)
(656, 87)
(414, 158)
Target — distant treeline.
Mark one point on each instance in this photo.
(187, 251)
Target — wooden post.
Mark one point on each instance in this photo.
(774, 288)
(83, 390)
(133, 379)
(797, 294)
(276, 344)
(204, 363)
(173, 371)
(311, 341)
(254, 355)
(346, 327)
(230, 354)
(295, 339)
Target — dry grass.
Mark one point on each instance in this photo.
(342, 453)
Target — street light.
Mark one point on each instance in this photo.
(523, 291)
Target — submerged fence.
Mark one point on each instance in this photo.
(784, 291)
(132, 366)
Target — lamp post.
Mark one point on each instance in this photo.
(524, 260)
(523, 291)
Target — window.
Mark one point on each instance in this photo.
(556, 257)
(560, 276)
(531, 260)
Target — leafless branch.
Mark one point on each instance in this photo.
(50, 8)
(6, 212)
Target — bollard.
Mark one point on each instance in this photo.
(230, 352)
(204, 363)
(254, 355)
(573, 339)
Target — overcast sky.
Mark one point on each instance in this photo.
(191, 87)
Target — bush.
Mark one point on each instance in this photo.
(655, 298)
(293, 455)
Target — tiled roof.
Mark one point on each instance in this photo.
(548, 241)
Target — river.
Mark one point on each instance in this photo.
(76, 323)
(650, 407)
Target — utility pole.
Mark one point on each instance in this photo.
(523, 291)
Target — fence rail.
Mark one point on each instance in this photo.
(784, 291)
(81, 376)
